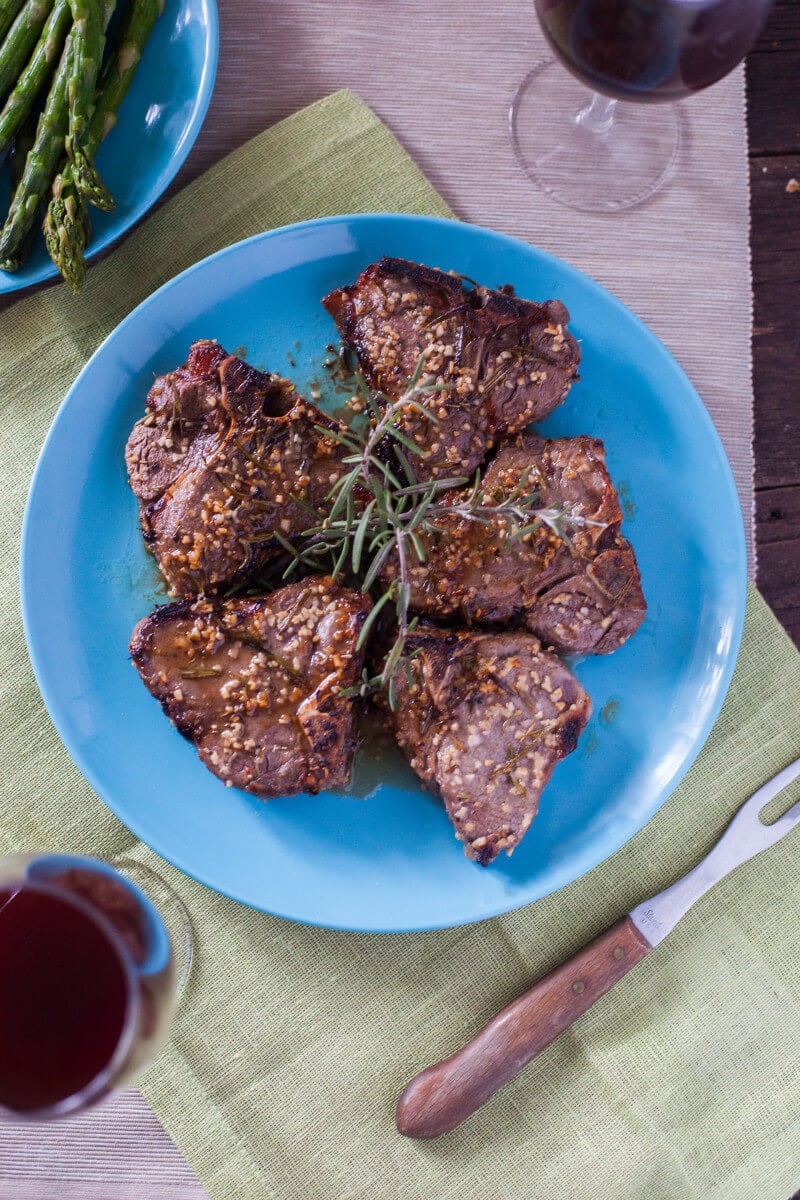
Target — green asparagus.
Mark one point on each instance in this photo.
(40, 166)
(89, 22)
(122, 64)
(8, 10)
(67, 228)
(32, 80)
(65, 225)
(20, 149)
(23, 144)
(22, 37)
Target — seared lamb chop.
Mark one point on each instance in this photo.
(220, 463)
(581, 596)
(256, 683)
(483, 718)
(506, 361)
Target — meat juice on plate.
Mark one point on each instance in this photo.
(651, 49)
(86, 983)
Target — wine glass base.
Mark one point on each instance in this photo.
(585, 170)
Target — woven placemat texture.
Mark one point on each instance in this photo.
(292, 1043)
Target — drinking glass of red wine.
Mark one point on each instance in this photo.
(585, 150)
(90, 971)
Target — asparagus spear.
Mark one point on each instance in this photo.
(8, 10)
(89, 21)
(40, 165)
(122, 64)
(22, 37)
(21, 148)
(31, 81)
(65, 225)
(23, 144)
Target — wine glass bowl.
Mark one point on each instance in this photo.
(651, 50)
(589, 154)
(88, 982)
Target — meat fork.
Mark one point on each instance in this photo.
(443, 1095)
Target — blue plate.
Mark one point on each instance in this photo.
(387, 862)
(159, 121)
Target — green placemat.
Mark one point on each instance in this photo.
(292, 1043)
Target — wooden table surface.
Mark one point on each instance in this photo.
(773, 71)
(773, 91)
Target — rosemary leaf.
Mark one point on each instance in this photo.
(340, 491)
(287, 545)
(440, 485)
(372, 404)
(406, 441)
(416, 374)
(384, 469)
(408, 470)
(425, 412)
(392, 660)
(340, 561)
(376, 566)
(343, 438)
(418, 546)
(360, 534)
(306, 507)
(372, 618)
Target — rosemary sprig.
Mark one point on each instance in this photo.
(379, 509)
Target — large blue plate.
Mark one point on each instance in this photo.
(388, 862)
(158, 123)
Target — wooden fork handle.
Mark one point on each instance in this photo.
(445, 1094)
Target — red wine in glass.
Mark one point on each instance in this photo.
(87, 982)
(592, 156)
(651, 50)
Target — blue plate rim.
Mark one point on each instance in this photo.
(11, 282)
(586, 861)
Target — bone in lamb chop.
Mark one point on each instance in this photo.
(580, 593)
(256, 683)
(483, 719)
(506, 361)
(224, 459)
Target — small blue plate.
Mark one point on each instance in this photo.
(387, 862)
(159, 121)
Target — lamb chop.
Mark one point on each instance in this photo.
(483, 719)
(505, 361)
(225, 460)
(581, 594)
(255, 683)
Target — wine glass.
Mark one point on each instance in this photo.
(92, 960)
(584, 150)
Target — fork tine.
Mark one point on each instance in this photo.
(773, 787)
(769, 834)
(746, 836)
(747, 820)
(789, 818)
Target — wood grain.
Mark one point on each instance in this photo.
(445, 1094)
(774, 136)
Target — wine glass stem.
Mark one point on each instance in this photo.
(598, 116)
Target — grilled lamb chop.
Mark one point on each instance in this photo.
(256, 683)
(216, 465)
(483, 719)
(507, 361)
(580, 598)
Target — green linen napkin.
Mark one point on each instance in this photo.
(292, 1043)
